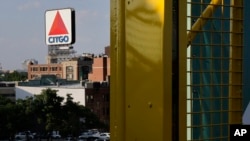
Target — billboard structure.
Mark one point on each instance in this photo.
(59, 34)
(60, 27)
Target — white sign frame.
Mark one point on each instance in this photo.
(68, 17)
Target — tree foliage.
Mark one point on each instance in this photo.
(44, 113)
(14, 76)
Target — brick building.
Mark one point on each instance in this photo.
(97, 98)
(100, 69)
(74, 69)
(94, 69)
(82, 68)
(37, 70)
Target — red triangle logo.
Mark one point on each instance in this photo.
(58, 26)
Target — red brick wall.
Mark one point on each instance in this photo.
(42, 69)
(100, 69)
(98, 101)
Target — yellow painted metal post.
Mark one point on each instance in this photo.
(117, 96)
(141, 70)
(236, 54)
(141, 48)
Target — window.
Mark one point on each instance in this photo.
(69, 73)
(69, 69)
(54, 68)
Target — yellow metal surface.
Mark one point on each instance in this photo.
(148, 71)
(141, 70)
(117, 91)
(236, 55)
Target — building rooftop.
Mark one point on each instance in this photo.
(49, 80)
(52, 81)
(7, 84)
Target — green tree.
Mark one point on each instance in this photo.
(73, 113)
(14, 76)
(26, 115)
(48, 104)
(7, 118)
(44, 113)
(71, 116)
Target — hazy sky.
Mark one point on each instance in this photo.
(22, 30)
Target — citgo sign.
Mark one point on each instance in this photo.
(60, 26)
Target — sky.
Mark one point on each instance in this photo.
(22, 29)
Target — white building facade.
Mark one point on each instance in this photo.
(77, 93)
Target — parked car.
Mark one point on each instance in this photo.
(90, 134)
(24, 135)
(105, 136)
(94, 135)
(84, 135)
(56, 136)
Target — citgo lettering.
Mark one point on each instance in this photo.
(58, 39)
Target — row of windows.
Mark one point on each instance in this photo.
(35, 76)
(45, 69)
(90, 98)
